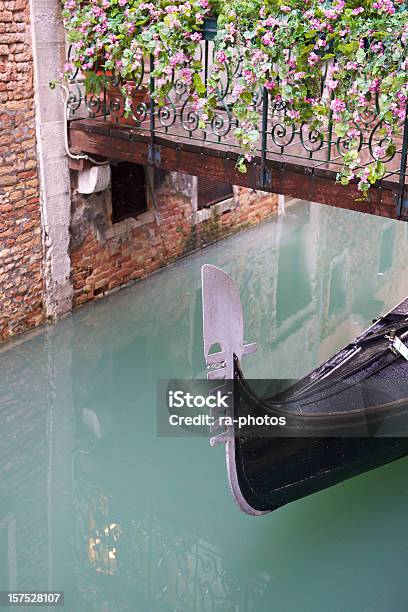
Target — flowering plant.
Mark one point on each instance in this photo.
(281, 46)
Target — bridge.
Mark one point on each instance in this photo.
(293, 160)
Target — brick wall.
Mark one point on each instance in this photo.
(106, 256)
(20, 227)
(103, 257)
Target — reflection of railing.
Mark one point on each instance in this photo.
(164, 567)
(280, 136)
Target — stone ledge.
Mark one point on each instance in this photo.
(221, 207)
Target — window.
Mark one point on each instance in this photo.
(4, 570)
(338, 285)
(128, 191)
(211, 192)
(293, 291)
(386, 256)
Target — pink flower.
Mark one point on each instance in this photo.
(187, 75)
(316, 24)
(268, 39)
(337, 105)
(358, 10)
(377, 47)
(293, 114)
(220, 57)
(312, 59)
(249, 76)
(238, 90)
(331, 84)
(379, 151)
(375, 85)
(385, 6)
(177, 58)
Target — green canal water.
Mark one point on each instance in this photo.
(95, 503)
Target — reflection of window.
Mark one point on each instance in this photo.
(128, 191)
(4, 571)
(8, 570)
(293, 287)
(338, 286)
(386, 250)
(211, 192)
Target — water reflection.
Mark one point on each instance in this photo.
(93, 502)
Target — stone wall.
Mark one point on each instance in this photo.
(20, 225)
(105, 256)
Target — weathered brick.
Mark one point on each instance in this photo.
(21, 292)
(102, 265)
(6, 16)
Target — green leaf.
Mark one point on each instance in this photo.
(240, 166)
(350, 48)
(198, 84)
(390, 150)
(246, 97)
(380, 170)
(340, 129)
(310, 33)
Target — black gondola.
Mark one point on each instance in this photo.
(346, 417)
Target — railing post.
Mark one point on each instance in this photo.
(152, 147)
(104, 103)
(330, 130)
(265, 180)
(402, 202)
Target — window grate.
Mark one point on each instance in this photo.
(211, 192)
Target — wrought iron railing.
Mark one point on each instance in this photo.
(177, 119)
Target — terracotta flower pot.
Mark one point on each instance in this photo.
(115, 105)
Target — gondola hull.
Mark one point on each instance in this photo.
(332, 436)
(288, 469)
